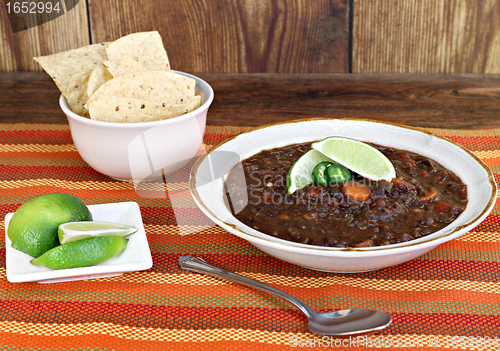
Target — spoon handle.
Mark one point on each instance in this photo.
(199, 265)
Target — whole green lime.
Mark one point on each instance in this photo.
(33, 227)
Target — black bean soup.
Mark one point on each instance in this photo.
(423, 198)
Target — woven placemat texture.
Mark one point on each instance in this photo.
(447, 298)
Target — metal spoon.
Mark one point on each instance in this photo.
(344, 322)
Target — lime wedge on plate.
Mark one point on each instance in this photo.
(82, 253)
(74, 231)
(300, 174)
(359, 157)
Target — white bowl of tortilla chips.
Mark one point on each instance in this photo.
(141, 151)
(131, 116)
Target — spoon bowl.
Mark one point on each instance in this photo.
(343, 322)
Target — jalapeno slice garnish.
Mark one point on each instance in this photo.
(337, 174)
(319, 175)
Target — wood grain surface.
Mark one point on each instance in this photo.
(281, 36)
(274, 36)
(64, 33)
(467, 101)
(426, 36)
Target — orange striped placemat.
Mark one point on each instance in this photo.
(448, 298)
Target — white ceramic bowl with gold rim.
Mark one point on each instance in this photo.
(141, 151)
(206, 185)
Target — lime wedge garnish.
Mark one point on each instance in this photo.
(359, 157)
(300, 174)
(74, 231)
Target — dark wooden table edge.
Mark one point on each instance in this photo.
(453, 101)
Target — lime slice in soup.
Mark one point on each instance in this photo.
(300, 175)
(359, 157)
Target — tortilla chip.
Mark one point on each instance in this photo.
(64, 65)
(145, 48)
(76, 94)
(98, 77)
(158, 86)
(125, 110)
(123, 67)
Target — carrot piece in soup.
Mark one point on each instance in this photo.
(405, 156)
(429, 195)
(442, 207)
(356, 191)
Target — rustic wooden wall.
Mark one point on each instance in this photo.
(18, 49)
(426, 36)
(281, 36)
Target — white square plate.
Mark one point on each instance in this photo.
(135, 257)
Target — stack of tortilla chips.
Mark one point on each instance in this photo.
(128, 80)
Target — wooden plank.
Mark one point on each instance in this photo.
(426, 36)
(424, 100)
(63, 33)
(278, 36)
(29, 97)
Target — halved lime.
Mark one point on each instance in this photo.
(300, 175)
(358, 156)
(74, 231)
